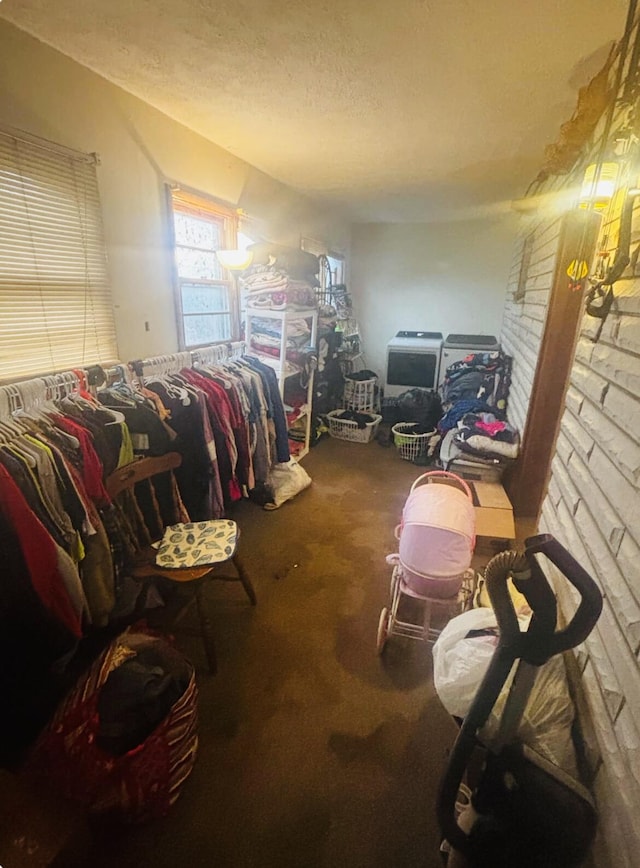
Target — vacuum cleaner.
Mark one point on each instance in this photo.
(524, 812)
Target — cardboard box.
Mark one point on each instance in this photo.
(495, 527)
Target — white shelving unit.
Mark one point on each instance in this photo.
(285, 368)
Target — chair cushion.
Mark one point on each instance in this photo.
(197, 543)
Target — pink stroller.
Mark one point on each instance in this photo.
(432, 566)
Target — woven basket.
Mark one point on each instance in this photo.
(346, 429)
(409, 445)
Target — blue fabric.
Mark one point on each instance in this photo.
(461, 408)
(275, 406)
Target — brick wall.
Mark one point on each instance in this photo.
(592, 506)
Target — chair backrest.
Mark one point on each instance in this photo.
(128, 475)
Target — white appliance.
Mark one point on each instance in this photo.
(456, 347)
(413, 360)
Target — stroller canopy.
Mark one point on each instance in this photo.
(437, 536)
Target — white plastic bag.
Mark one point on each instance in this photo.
(285, 481)
(459, 664)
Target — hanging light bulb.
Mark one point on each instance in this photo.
(235, 260)
(599, 185)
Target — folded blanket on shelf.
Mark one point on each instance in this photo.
(266, 326)
(291, 343)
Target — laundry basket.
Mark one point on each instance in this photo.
(347, 429)
(410, 445)
(360, 395)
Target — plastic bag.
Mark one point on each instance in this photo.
(460, 662)
(422, 406)
(285, 481)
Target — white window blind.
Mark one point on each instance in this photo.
(56, 311)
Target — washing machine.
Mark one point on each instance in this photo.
(456, 347)
(413, 360)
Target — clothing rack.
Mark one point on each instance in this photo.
(175, 362)
(215, 355)
(31, 394)
(115, 374)
(166, 364)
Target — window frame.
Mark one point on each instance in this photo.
(525, 263)
(198, 205)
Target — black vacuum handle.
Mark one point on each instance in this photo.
(586, 615)
(541, 641)
(537, 645)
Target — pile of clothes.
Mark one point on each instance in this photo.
(482, 376)
(484, 436)
(280, 278)
(478, 437)
(474, 429)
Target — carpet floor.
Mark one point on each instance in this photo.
(314, 751)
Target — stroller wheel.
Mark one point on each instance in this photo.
(383, 630)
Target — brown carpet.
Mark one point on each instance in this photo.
(314, 751)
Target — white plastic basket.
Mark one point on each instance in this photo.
(409, 445)
(347, 429)
(360, 395)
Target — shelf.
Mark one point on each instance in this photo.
(298, 450)
(285, 368)
(286, 314)
(297, 413)
(274, 363)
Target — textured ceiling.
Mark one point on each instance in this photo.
(395, 109)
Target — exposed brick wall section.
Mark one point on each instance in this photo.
(593, 507)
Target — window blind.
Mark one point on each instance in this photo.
(56, 311)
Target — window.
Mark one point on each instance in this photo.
(336, 268)
(207, 298)
(523, 275)
(332, 265)
(55, 302)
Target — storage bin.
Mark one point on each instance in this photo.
(347, 429)
(410, 445)
(361, 396)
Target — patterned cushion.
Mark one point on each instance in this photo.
(197, 544)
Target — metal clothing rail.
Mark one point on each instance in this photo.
(158, 365)
(30, 394)
(217, 354)
(174, 362)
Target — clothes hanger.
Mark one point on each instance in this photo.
(172, 385)
(10, 424)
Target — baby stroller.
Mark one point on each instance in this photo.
(432, 565)
(524, 810)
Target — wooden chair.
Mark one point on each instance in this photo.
(193, 578)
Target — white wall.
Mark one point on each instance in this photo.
(47, 94)
(446, 277)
